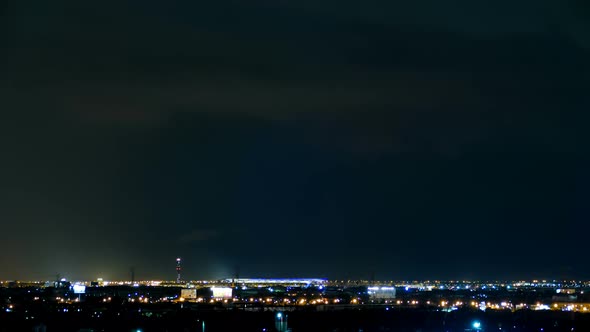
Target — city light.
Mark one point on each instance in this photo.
(332, 296)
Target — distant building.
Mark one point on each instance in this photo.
(381, 293)
(221, 292)
(188, 293)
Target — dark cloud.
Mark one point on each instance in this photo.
(199, 235)
(293, 138)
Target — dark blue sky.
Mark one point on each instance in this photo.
(295, 138)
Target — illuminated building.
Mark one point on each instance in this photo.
(178, 269)
(381, 293)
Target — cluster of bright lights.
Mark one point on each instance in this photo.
(296, 281)
(222, 292)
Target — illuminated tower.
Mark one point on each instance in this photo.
(178, 269)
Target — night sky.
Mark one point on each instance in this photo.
(295, 138)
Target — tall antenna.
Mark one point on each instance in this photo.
(178, 269)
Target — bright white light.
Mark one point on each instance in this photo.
(222, 292)
(279, 315)
(79, 289)
(476, 325)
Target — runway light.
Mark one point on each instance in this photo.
(476, 325)
(279, 315)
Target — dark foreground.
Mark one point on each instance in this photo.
(367, 320)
